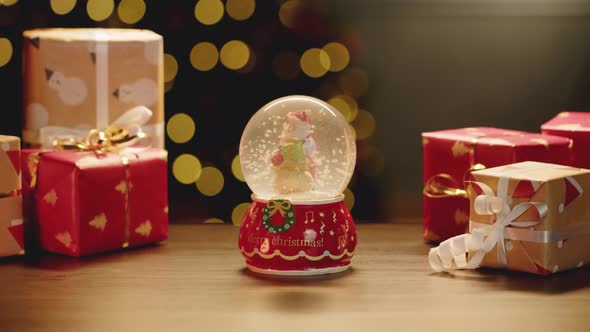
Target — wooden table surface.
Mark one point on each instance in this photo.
(197, 282)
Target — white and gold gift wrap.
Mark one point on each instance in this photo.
(78, 79)
(532, 217)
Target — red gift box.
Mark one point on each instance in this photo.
(449, 155)
(574, 125)
(84, 203)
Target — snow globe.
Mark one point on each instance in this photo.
(297, 155)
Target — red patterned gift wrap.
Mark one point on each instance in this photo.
(297, 239)
(574, 125)
(86, 203)
(11, 220)
(449, 156)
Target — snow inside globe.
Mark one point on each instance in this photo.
(298, 148)
(297, 155)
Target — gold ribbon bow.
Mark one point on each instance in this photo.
(112, 139)
(282, 206)
(445, 185)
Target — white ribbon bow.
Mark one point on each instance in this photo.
(452, 253)
(132, 121)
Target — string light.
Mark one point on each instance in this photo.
(8, 3)
(99, 10)
(204, 56)
(170, 67)
(131, 11)
(315, 62)
(186, 168)
(236, 169)
(213, 221)
(346, 105)
(5, 51)
(288, 13)
(180, 128)
(234, 54)
(364, 125)
(339, 56)
(210, 182)
(238, 213)
(209, 12)
(348, 198)
(240, 9)
(62, 7)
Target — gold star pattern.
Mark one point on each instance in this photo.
(459, 149)
(166, 209)
(50, 197)
(144, 229)
(322, 214)
(331, 233)
(64, 238)
(425, 141)
(122, 187)
(99, 222)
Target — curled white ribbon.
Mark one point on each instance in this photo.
(452, 253)
(133, 120)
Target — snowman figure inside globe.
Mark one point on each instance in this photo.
(297, 155)
(294, 160)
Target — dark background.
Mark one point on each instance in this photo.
(430, 65)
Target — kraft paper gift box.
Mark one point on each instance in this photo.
(78, 79)
(574, 125)
(532, 217)
(85, 203)
(449, 156)
(11, 220)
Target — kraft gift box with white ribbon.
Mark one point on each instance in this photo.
(530, 216)
(11, 218)
(75, 80)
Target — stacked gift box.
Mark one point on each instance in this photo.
(11, 219)
(506, 199)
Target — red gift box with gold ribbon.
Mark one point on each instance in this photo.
(449, 156)
(83, 202)
(11, 220)
(574, 125)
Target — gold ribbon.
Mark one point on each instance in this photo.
(113, 139)
(282, 206)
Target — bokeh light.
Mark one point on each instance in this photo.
(170, 67)
(354, 82)
(213, 221)
(286, 65)
(364, 125)
(234, 54)
(168, 86)
(338, 54)
(315, 62)
(5, 51)
(289, 11)
(131, 11)
(204, 56)
(240, 9)
(99, 10)
(209, 12)
(62, 7)
(210, 182)
(348, 198)
(346, 105)
(8, 2)
(238, 213)
(186, 168)
(236, 169)
(180, 128)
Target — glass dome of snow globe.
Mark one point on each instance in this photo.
(298, 148)
(297, 155)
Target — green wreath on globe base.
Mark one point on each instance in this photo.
(285, 208)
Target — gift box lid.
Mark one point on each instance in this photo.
(569, 122)
(533, 171)
(92, 34)
(497, 136)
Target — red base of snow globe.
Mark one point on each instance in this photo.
(301, 238)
